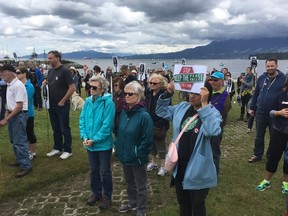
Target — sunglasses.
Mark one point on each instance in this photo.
(129, 93)
(19, 73)
(93, 88)
(214, 80)
(153, 83)
(194, 94)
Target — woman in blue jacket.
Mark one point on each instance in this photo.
(133, 145)
(195, 171)
(96, 127)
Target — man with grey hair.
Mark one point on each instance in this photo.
(16, 118)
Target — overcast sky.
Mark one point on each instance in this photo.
(134, 26)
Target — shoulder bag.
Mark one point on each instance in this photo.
(172, 154)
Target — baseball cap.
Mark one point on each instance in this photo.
(217, 75)
(8, 68)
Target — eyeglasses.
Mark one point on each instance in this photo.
(129, 93)
(153, 83)
(214, 80)
(116, 85)
(94, 88)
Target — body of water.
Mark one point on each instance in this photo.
(235, 66)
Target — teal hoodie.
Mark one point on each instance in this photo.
(134, 136)
(96, 122)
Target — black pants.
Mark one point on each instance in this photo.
(38, 98)
(277, 146)
(216, 150)
(245, 99)
(191, 202)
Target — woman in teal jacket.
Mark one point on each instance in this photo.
(96, 127)
(195, 171)
(23, 76)
(133, 145)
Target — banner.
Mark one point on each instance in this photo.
(189, 78)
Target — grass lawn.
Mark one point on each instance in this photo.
(235, 194)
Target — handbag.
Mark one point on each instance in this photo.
(172, 154)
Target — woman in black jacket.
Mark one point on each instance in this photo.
(278, 142)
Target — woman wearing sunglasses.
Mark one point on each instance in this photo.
(133, 145)
(157, 86)
(195, 171)
(118, 98)
(96, 128)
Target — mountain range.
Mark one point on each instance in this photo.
(226, 49)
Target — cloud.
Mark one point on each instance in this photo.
(129, 26)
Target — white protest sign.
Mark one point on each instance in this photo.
(189, 78)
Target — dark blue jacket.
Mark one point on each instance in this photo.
(265, 96)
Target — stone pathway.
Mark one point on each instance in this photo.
(69, 198)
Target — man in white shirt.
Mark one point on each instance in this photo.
(16, 118)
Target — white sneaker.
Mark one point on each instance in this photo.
(161, 171)
(65, 155)
(53, 152)
(151, 166)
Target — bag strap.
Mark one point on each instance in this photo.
(184, 128)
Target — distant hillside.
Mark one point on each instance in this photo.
(228, 49)
(79, 55)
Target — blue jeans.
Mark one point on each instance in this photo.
(262, 122)
(59, 118)
(18, 138)
(100, 173)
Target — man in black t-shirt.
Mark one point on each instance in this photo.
(61, 87)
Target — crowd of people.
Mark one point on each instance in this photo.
(132, 116)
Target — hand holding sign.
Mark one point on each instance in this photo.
(171, 87)
(204, 92)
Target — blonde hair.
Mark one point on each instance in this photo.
(162, 80)
(137, 88)
(102, 80)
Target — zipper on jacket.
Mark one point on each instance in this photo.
(125, 130)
